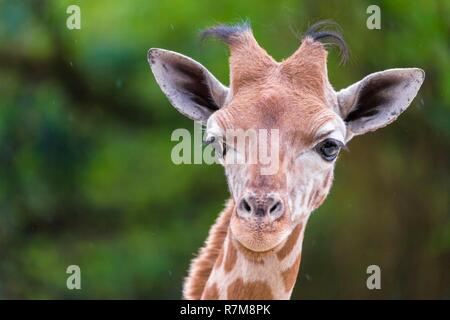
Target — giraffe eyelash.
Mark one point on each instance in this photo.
(209, 140)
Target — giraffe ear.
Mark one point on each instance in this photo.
(188, 85)
(378, 99)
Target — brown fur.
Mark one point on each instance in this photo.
(219, 259)
(306, 68)
(231, 257)
(288, 94)
(256, 290)
(248, 61)
(202, 265)
(252, 256)
(290, 242)
(290, 275)
(211, 293)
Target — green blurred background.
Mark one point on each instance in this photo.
(86, 176)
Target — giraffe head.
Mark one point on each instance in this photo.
(293, 102)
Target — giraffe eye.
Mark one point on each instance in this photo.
(329, 149)
(209, 140)
(218, 144)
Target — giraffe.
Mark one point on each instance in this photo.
(253, 250)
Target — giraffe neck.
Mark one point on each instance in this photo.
(225, 269)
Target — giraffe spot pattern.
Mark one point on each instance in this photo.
(211, 292)
(290, 242)
(219, 259)
(290, 275)
(231, 257)
(250, 256)
(255, 290)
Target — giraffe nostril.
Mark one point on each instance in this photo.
(275, 208)
(245, 206)
(260, 207)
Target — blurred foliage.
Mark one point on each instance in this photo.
(85, 170)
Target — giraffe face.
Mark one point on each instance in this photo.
(309, 136)
(292, 100)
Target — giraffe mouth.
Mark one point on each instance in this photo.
(258, 255)
(259, 236)
(258, 246)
